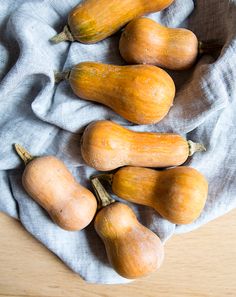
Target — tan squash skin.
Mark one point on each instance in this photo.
(178, 194)
(93, 20)
(106, 145)
(141, 94)
(146, 42)
(48, 181)
(133, 250)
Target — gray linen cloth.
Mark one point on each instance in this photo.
(49, 119)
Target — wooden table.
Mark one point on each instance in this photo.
(198, 264)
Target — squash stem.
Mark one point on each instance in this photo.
(209, 47)
(23, 153)
(65, 35)
(195, 147)
(104, 199)
(105, 177)
(59, 76)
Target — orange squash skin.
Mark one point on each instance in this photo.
(92, 20)
(178, 194)
(132, 249)
(106, 146)
(141, 94)
(146, 42)
(50, 184)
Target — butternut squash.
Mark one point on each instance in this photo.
(142, 94)
(106, 145)
(144, 41)
(47, 180)
(132, 249)
(178, 194)
(93, 20)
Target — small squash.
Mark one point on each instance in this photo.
(47, 180)
(106, 145)
(142, 94)
(178, 194)
(144, 41)
(93, 20)
(133, 250)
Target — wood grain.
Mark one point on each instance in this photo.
(197, 264)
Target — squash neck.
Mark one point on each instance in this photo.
(104, 199)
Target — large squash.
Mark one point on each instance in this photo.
(146, 42)
(142, 94)
(48, 181)
(106, 145)
(94, 20)
(178, 194)
(132, 249)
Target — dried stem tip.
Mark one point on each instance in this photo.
(209, 47)
(65, 35)
(195, 147)
(105, 177)
(23, 153)
(59, 76)
(104, 199)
